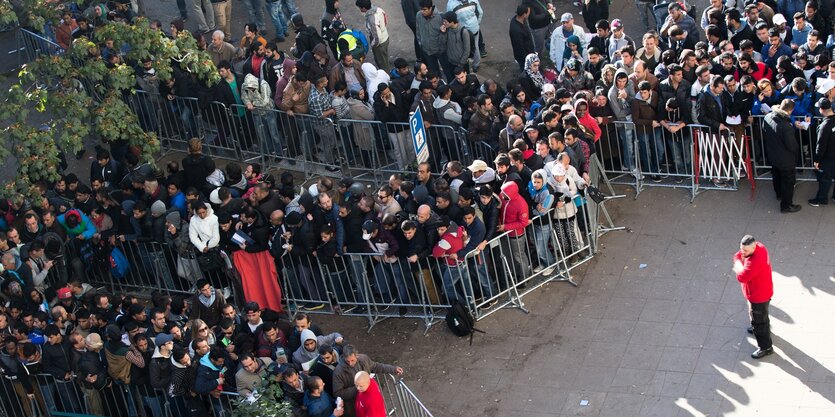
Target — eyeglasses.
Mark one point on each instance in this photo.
(382, 196)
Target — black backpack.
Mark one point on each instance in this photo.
(460, 320)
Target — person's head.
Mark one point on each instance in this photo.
(747, 245)
(799, 20)
(362, 380)
(727, 61)
(271, 332)
(450, 19)
(424, 172)
(567, 20)
(733, 18)
(627, 55)
(224, 69)
(522, 12)
(717, 84)
(516, 123)
(675, 11)
(621, 79)
(774, 37)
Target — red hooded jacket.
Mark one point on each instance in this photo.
(370, 403)
(755, 277)
(514, 210)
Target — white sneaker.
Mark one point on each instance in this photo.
(537, 269)
(549, 271)
(226, 292)
(637, 174)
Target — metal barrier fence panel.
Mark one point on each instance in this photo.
(807, 139)
(35, 45)
(718, 158)
(400, 400)
(369, 145)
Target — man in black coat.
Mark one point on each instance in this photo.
(306, 36)
(107, 169)
(782, 148)
(521, 37)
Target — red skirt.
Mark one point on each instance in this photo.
(259, 278)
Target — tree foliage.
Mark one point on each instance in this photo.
(79, 95)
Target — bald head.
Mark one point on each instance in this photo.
(362, 380)
(516, 122)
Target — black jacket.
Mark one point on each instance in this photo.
(745, 33)
(521, 40)
(826, 141)
(306, 38)
(709, 112)
(780, 143)
(490, 215)
(55, 359)
(223, 91)
(112, 172)
(682, 96)
(196, 168)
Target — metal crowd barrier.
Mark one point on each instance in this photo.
(696, 157)
(807, 139)
(400, 400)
(377, 287)
(34, 45)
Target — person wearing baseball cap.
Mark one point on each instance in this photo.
(560, 36)
(825, 88)
(824, 157)
(618, 40)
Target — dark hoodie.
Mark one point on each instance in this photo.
(289, 66)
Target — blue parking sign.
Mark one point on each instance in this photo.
(418, 136)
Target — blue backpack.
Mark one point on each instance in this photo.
(119, 266)
(360, 37)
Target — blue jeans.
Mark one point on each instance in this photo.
(255, 15)
(542, 236)
(154, 404)
(479, 265)
(452, 274)
(681, 146)
(384, 275)
(359, 278)
(627, 147)
(278, 18)
(650, 147)
(271, 137)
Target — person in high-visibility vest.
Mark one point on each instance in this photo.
(354, 42)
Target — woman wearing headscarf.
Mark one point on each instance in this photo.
(573, 49)
(533, 79)
(373, 78)
(361, 109)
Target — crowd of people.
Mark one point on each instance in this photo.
(573, 91)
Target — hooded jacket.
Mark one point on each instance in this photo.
(514, 210)
(207, 378)
(621, 107)
(543, 197)
(85, 227)
(204, 233)
(257, 92)
(302, 355)
(448, 112)
(281, 84)
(458, 46)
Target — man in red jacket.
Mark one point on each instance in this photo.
(753, 271)
(369, 401)
(515, 218)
